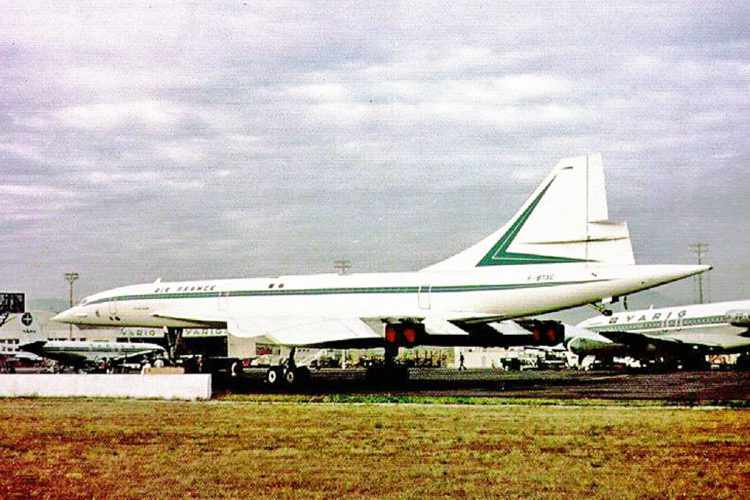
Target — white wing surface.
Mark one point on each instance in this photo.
(304, 331)
(692, 341)
(352, 332)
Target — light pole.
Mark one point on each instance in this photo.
(70, 278)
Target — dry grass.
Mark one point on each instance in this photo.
(80, 448)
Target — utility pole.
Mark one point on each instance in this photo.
(70, 278)
(342, 266)
(700, 249)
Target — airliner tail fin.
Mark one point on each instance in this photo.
(565, 220)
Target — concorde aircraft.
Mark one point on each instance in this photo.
(560, 250)
(676, 336)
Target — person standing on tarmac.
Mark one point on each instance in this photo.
(461, 366)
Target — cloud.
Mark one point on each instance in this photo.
(149, 114)
(182, 153)
(121, 78)
(36, 191)
(148, 181)
(134, 136)
(21, 150)
(320, 92)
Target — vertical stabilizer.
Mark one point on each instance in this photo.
(564, 221)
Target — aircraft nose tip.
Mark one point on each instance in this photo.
(63, 317)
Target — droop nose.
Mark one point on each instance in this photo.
(64, 317)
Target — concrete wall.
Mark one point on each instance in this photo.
(188, 387)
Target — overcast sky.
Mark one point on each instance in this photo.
(259, 138)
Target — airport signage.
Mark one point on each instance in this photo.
(142, 333)
(27, 319)
(630, 318)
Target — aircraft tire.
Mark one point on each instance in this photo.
(290, 377)
(274, 376)
(235, 369)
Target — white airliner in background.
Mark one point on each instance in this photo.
(682, 335)
(89, 356)
(559, 251)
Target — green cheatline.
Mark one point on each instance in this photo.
(714, 320)
(338, 291)
(499, 255)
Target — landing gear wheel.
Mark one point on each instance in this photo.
(290, 376)
(297, 377)
(273, 376)
(235, 369)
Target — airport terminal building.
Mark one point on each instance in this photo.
(33, 325)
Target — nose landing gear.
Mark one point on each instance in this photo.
(174, 342)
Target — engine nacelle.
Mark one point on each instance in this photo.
(404, 334)
(547, 333)
(738, 317)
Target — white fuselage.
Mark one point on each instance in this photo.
(694, 324)
(507, 291)
(83, 353)
(96, 349)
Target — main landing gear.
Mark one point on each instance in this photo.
(389, 372)
(174, 342)
(288, 373)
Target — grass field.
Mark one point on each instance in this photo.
(82, 448)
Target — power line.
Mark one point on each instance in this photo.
(700, 250)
